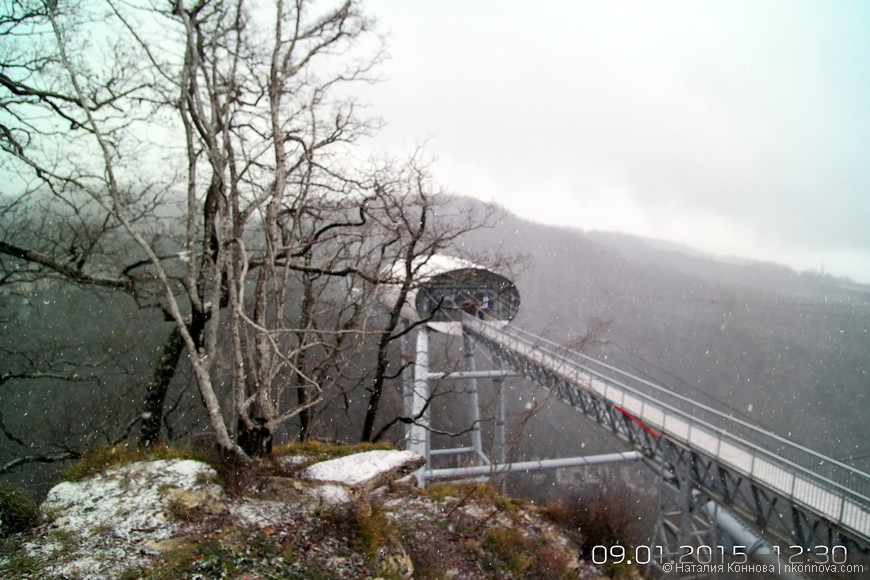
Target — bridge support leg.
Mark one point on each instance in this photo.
(680, 520)
(418, 431)
(500, 422)
(473, 400)
(407, 371)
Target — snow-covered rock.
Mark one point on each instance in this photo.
(366, 471)
(124, 516)
(131, 500)
(104, 519)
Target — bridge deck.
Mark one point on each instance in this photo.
(835, 492)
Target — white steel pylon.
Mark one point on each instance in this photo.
(417, 396)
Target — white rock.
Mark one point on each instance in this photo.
(365, 470)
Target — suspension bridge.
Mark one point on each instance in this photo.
(768, 494)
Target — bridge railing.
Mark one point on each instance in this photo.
(838, 492)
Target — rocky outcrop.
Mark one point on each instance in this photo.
(342, 518)
(102, 524)
(366, 471)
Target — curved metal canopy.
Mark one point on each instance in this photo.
(446, 287)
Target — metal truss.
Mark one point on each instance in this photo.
(699, 479)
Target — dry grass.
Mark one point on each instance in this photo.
(18, 512)
(319, 451)
(602, 518)
(102, 458)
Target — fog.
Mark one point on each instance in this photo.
(738, 128)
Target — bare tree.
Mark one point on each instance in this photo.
(256, 123)
(218, 143)
(418, 224)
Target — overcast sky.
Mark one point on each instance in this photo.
(738, 128)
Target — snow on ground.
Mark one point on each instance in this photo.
(127, 519)
(129, 499)
(261, 513)
(103, 519)
(123, 517)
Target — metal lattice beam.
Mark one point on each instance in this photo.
(784, 500)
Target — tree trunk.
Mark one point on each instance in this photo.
(256, 441)
(304, 414)
(164, 371)
(378, 387)
(155, 395)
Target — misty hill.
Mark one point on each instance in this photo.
(783, 349)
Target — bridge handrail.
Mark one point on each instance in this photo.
(560, 351)
(774, 468)
(727, 435)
